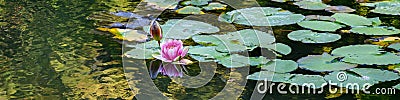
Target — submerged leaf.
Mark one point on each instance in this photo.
(307, 36)
(320, 25)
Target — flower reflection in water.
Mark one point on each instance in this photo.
(171, 55)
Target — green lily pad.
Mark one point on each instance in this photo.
(395, 46)
(163, 4)
(254, 61)
(189, 10)
(307, 36)
(348, 80)
(310, 5)
(361, 76)
(153, 44)
(375, 21)
(310, 81)
(184, 29)
(376, 74)
(261, 16)
(280, 66)
(199, 2)
(207, 52)
(206, 40)
(234, 61)
(375, 30)
(388, 10)
(320, 25)
(268, 75)
(278, 47)
(255, 37)
(351, 19)
(397, 86)
(230, 43)
(215, 6)
(140, 53)
(366, 54)
(323, 63)
(202, 58)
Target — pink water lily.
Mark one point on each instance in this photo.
(171, 54)
(173, 51)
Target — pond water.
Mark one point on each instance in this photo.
(51, 49)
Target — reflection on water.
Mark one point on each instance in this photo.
(48, 51)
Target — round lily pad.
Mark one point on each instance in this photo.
(310, 5)
(280, 66)
(351, 19)
(375, 30)
(366, 54)
(261, 16)
(184, 29)
(323, 63)
(307, 36)
(189, 10)
(215, 6)
(395, 46)
(320, 25)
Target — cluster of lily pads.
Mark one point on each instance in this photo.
(224, 48)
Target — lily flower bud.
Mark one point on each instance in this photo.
(155, 30)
